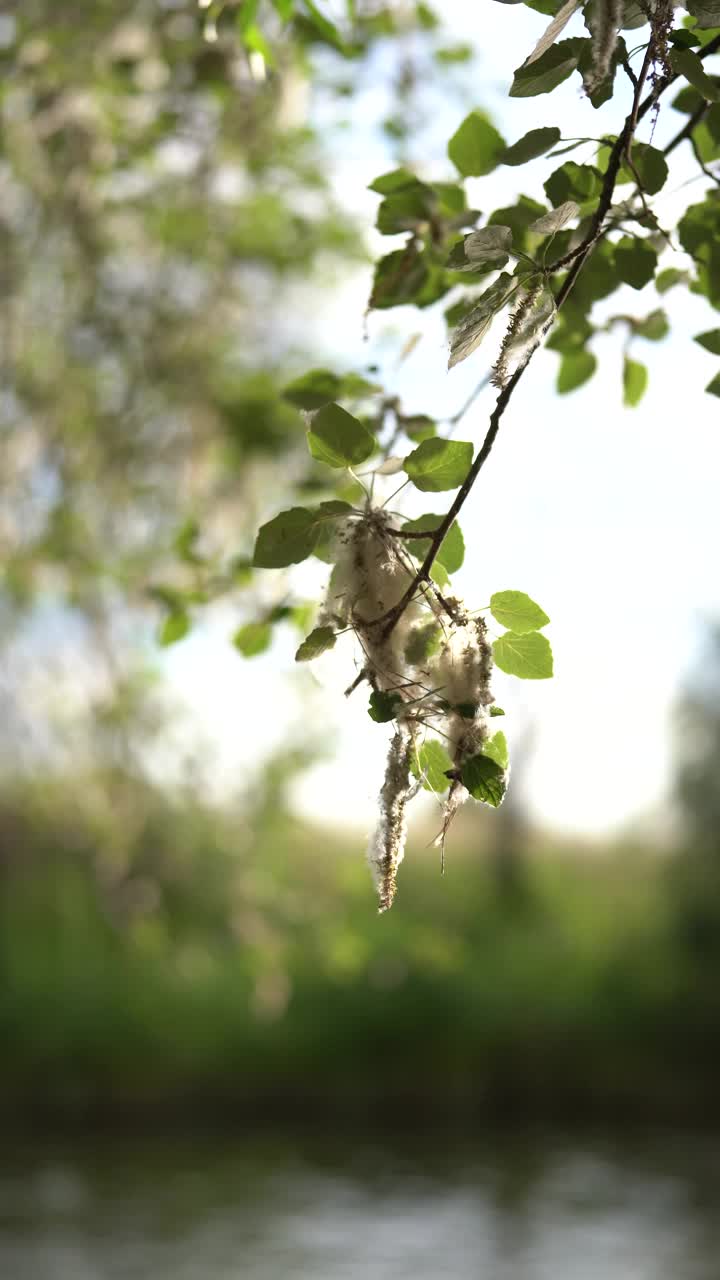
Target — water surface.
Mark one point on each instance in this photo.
(524, 1207)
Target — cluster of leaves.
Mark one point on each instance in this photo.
(545, 264)
(441, 251)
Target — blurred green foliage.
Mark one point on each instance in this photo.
(157, 188)
(155, 954)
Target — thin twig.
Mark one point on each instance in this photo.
(692, 122)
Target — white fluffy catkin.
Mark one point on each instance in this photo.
(386, 848)
(370, 577)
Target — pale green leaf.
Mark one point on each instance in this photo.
(430, 762)
(516, 611)
(635, 380)
(527, 656)
(533, 144)
(576, 368)
(339, 439)
(287, 539)
(548, 71)
(439, 464)
(687, 63)
(253, 638)
(485, 780)
(555, 219)
(476, 146)
(496, 748)
(175, 627)
(319, 641)
(705, 12)
(635, 261)
(485, 250)
(452, 547)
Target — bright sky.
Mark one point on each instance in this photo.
(608, 517)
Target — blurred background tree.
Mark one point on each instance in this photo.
(166, 211)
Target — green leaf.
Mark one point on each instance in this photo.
(327, 31)
(496, 711)
(533, 144)
(439, 464)
(517, 612)
(496, 748)
(241, 570)
(710, 341)
(317, 387)
(422, 642)
(439, 574)
(686, 63)
(683, 39)
(452, 547)
(284, 8)
(714, 386)
(468, 710)
(185, 541)
(293, 535)
(553, 221)
(654, 327)
(326, 528)
(454, 53)
(699, 233)
(579, 182)
(454, 201)
(688, 100)
(476, 147)
(287, 539)
(650, 166)
(485, 780)
(418, 427)
(527, 656)
(313, 389)
(575, 369)
(668, 278)
(399, 277)
(393, 181)
(405, 208)
(425, 16)
(485, 250)
(302, 614)
(548, 71)
(635, 380)
(635, 261)
(471, 331)
(705, 12)
(570, 332)
(339, 439)
(253, 638)
(383, 706)
(175, 627)
(518, 217)
(432, 761)
(319, 641)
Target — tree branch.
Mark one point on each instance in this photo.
(576, 260)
